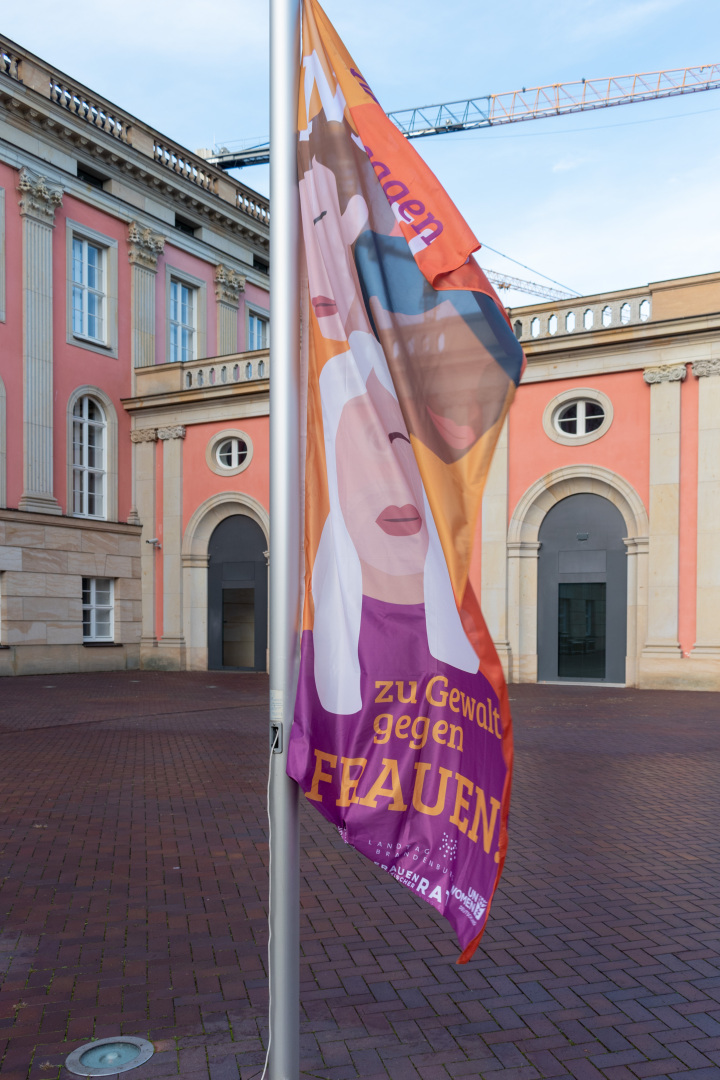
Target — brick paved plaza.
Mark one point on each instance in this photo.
(134, 887)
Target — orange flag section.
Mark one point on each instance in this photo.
(439, 237)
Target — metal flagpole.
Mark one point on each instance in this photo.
(285, 488)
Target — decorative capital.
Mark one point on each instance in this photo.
(228, 285)
(144, 435)
(145, 246)
(176, 432)
(38, 198)
(665, 373)
(706, 367)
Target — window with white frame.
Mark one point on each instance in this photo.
(89, 275)
(578, 418)
(97, 609)
(89, 426)
(231, 453)
(183, 321)
(257, 331)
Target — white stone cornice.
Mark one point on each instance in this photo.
(176, 432)
(665, 373)
(228, 285)
(144, 435)
(39, 198)
(706, 367)
(144, 246)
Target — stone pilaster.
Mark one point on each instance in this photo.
(522, 609)
(493, 595)
(637, 575)
(661, 645)
(144, 248)
(144, 450)
(172, 642)
(707, 633)
(228, 286)
(39, 200)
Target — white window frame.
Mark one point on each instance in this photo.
(559, 402)
(108, 343)
(253, 311)
(199, 288)
(182, 321)
(83, 467)
(93, 607)
(212, 447)
(111, 451)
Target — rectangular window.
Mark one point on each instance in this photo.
(88, 290)
(183, 322)
(257, 332)
(97, 608)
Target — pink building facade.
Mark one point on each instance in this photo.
(134, 435)
(121, 255)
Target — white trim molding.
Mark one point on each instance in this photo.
(212, 447)
(578, 393)
(109, 247)
(195, 546)
(199, 287)
(111, 453)
(523, 548)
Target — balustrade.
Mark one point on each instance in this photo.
(250, 368)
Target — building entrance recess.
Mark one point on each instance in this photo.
(582, 592)
(237, 596)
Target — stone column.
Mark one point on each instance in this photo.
(661, 645)
(38, 202)
(172, 642)
(144, 247)
(144, 448)
(637, 557)
(493, 595)
(707, 632)
(228, 286)
(522, 609)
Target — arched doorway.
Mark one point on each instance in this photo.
(237, 596)
(582, 592)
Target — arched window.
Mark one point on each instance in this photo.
(535, 327)
(570, 322)
(588, 318)
(607, 315)
(517, 328)
(644, 310)
(89, 472)
(625, 313)
(552, 324)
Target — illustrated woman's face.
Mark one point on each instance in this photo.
(381, 493)
(328, 234)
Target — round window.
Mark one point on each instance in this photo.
(231, 453)
(579, 418)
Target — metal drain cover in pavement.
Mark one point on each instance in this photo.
(106, 1057)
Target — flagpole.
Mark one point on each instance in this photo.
(285, 487)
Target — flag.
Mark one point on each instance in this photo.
(402, 734)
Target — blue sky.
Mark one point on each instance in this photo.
(601, 200)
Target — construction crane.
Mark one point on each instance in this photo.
(535, 103)
(505, 281)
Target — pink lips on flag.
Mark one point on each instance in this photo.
(459, 436)
(324, 305)
(400, 520)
